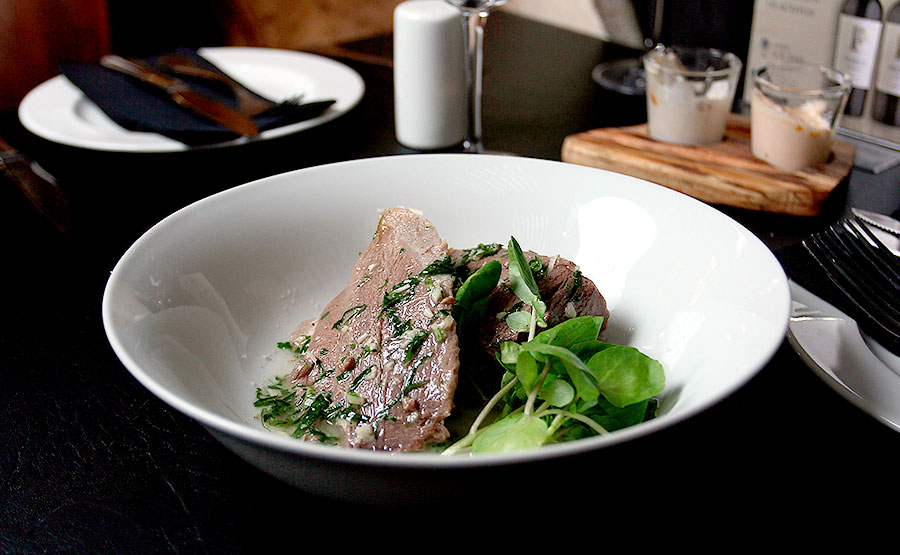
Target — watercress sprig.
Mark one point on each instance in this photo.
(523, 284)
(562, 383)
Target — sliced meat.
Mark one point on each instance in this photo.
(382, 361)
(565, 290)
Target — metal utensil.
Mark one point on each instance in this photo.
(249, 102)
(38, 186)
(882, 222)
(865, 271)
(182, 94)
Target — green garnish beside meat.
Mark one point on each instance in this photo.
(481, 350)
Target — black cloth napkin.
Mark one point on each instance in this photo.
(802, 268)
(137, 106)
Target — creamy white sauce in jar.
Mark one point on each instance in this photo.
(789, 137)
(685, 105)
(794, 110)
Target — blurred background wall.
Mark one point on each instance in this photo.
(36, 34)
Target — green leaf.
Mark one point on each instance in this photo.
(473, 294)
(586, 349)
(608, 416)
(571, 332)
(557, 392)
(509, 352)
(472, 313)
(480, 283)
(581, 376)
(513, 433)
(617, 418)
(526, 369)
(522, 282)
(519, 321)
(625, 375)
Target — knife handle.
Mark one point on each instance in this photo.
(37, 185)
(181, 93)
(139, 70)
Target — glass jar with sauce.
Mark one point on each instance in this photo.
(794, 110)
(690, 91)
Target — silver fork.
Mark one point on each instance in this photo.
(249, 102)
(865, 271)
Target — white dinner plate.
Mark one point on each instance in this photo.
(57, 110)
(832, 345)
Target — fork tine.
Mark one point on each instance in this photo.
(854, 288)
(887, 257)
(844, 256)
(875, 268)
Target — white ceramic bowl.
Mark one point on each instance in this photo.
(195, 307)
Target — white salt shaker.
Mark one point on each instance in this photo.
(429, 75)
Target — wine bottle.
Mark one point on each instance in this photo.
(858, 36)
(886, 104)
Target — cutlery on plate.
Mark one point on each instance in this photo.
(865, 271)
(182, 94)
(882, 222)
(249, 102)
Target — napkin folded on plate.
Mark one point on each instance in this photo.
(138, 106)
(802, 268)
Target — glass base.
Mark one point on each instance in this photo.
(622, 76)
(469, 148)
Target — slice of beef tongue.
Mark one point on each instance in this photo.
(383, 358)
(564, 289)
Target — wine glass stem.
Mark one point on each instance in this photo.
(474, 22)
(656, 29)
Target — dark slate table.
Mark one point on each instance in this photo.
(91, 462)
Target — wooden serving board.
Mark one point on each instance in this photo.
(724, 173)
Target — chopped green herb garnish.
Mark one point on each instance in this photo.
(344, 375)
(438, 267)
(347, 316)
(538, 269)
(573, 290)
(276, 402)
(398, 294)
(279, 407)
(298, 348)
(479, 252)
(408, 386)
(358, 379)
(418, 338)
(306, 422)
(323, 373)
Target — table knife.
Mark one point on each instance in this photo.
(885, 228)
(38, 186)
(880, 221)
(182, 94)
